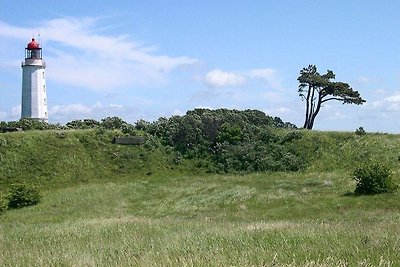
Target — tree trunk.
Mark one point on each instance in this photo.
(308, 110)
(315, 113)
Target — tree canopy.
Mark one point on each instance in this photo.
(316, 89)
(225, 140)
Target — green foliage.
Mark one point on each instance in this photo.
(215, 139)
(23, 195)
(229, 133)
(83, 124)
(32, 124)
(221, 141)
(280, 124)
(113, 123)
(292, 136)
(374, 178)
(27, 124)
(142, 125)
(109, 123)
(128, 129)
(255, 157)
(230, 140)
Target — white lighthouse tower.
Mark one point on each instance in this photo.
(34, 96)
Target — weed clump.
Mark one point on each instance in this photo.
(22, 195)
(374, 178)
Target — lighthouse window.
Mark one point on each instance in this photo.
(44, 88)
(45, 103)
(43, 74)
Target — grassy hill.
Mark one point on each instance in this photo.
(113, 205)
(62, 158)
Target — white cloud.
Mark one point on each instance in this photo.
(95, 75)
(72, 109)
(390, 103)
(78, 55)
(219, 78)
(117, 106)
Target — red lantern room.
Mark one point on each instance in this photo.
(33, 50)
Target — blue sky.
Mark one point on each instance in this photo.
(147, 59)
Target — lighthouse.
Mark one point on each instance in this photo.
(34, 96)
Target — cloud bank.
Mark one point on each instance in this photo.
(80, 56)
(217, 78)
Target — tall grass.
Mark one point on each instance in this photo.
(252, 220)
(108, 205)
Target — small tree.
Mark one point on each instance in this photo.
(316, 89)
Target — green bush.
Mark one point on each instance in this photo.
(22, 195)
(374, 178)
(229, 140)
(113, 123)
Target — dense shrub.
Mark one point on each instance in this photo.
(230, 140)
(292, 136)
(142, 125)
(83, 124)
(113, 123)
(255, 156)
(229, 133)
(22, 195)
(129, 129)
(27, 124)
(374, 178)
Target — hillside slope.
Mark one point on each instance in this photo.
(80, 156)
(57, 158)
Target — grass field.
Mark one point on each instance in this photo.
(251, 220)
(104, 213)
